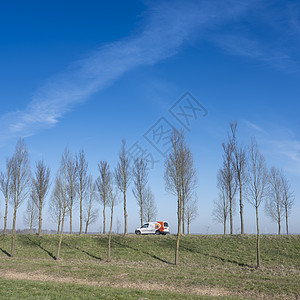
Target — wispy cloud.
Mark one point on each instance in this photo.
(269, 34)
(167, 26)
(257, 50)
(256, 127)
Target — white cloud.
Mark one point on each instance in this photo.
(167, 26)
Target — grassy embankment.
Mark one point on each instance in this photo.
(142, 267)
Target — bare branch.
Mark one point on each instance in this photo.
(82, 186)
(140, 179)
(90, 212)
(103, 182)
(40, 185)
(150, 209)
(20, 183)
(31, 214)
(123, 178)
(5, 186)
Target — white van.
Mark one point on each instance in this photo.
(159, 227)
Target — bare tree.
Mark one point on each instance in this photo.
(221, 210)
(31, 214)
(257, 188)
(274, 208)
(240, 167)
(175, 173)
(229, 178)
(56, 204)
(140, 179)
(62, 185)
(188, 181)
(82, 168)
(150, 209)
(103, 183)
(71, 186)
(123, 178)
(191, 211)
(287, 200)
(173, 179)
(221, 206)
(90, 213)
(112, 195)
(40, 185)
(20, 183)
(5, 186)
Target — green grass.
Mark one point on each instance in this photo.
(22, 289)
(143, 267)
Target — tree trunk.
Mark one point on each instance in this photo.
(109, 236)
(230, 212)
(40, 218)
(241, 209)
(88, 218)
(31, 221)
(183, 213)
(257, 240)
(71, 205)
(59, 220)
(104, 218)
(13, 233)
(86, 227)
(225, 219)
(142, 212)
(286, 221)
(80, 204)
(125, 215)
(60, 236)
(279, 220)
(5, 217)
(179, 231)
(188, 227)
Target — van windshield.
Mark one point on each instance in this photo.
(145, 226)
(166, 224)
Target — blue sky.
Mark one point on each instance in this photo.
(85, 74)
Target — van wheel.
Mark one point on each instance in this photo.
(138, 233)
(157, 232)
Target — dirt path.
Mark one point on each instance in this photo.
(39, 276)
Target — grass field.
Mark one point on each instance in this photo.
(142, 268)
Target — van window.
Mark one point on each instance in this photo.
(166, 224)
(145, 226)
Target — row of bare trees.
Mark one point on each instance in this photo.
(72, 186)
(231, 179)
(244, 170)
(66, 182)
(234, 177)
(18, 184)
(280, 199)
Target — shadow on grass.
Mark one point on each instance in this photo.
(39, 245)
(89, 254)
(218, 257)
(5, 252)
(83, 251)
(142, 251)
